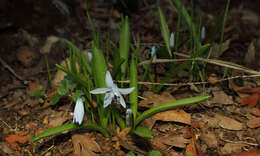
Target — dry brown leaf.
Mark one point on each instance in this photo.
(250, 55)
(33, 86)
(250, 90)
(175, 140)
(250, 100)
(85, 145)
(255, 111)
(230, 148)
(220, 97)
(14, 139)
(193, 148)
(60, 74)
(254, 123)
(255, 152)
(157, 144)
(155, 100)
(209, 138)
(46, 48)
(174, 115)
(215, 49)
(229, 123)
(6, 149)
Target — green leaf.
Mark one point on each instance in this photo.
(154, 153)
(164, 30)
(55, 99)
(69, 127)
(188, 20)
(130, 154)
(133, 99)
(77, 95)
(169, 105)
(124, 45)
(143, 132)
(38, 93)
(99, 67)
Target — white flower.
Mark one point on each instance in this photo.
(128, 117)
(111, 91)
(153, 52)
(203, 33)
(172, 40)
(90, 55)
(78, 112)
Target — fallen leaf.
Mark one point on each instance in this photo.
(174, 115)
(14, 139)
(175, 140)
(46, 48)
(156, 99)
(254, 123)
(209, 138)
(228, 123)
(6, 149)
(27, 56)
(193, 149)
(85, 145)
(250, 90)
(255, 152)
(33, 86)
(250, 55)
(255, 111)
(230, 148)
(220, 97)
(58, 119)
(215, 49)
(156, 144)
(251, 100)
(60, 74)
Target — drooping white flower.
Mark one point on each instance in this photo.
(78, 112)
(90, 55)
(111, 91)
(153, 52)
(128, 117)
(172, 40)
(203, 33)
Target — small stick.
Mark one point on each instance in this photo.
(13, 72)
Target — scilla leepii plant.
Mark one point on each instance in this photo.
(89, 81)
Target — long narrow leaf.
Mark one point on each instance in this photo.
(124, 45)
(69, 127)
(188, 21)
(133, 83)
(164, 30)
(169, 105)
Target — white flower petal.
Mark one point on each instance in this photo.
(125, 91)
(122, 101)
(100, 91)
(109, 80)
(108, 99)
(78, 112)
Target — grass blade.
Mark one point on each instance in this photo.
(164, 30)
(133, 83)
(124, 45)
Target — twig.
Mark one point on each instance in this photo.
(190, 83)
(211, 61)
(12, 71)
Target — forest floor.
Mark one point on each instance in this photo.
(226, 124)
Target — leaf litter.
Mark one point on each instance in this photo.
(217, 118)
